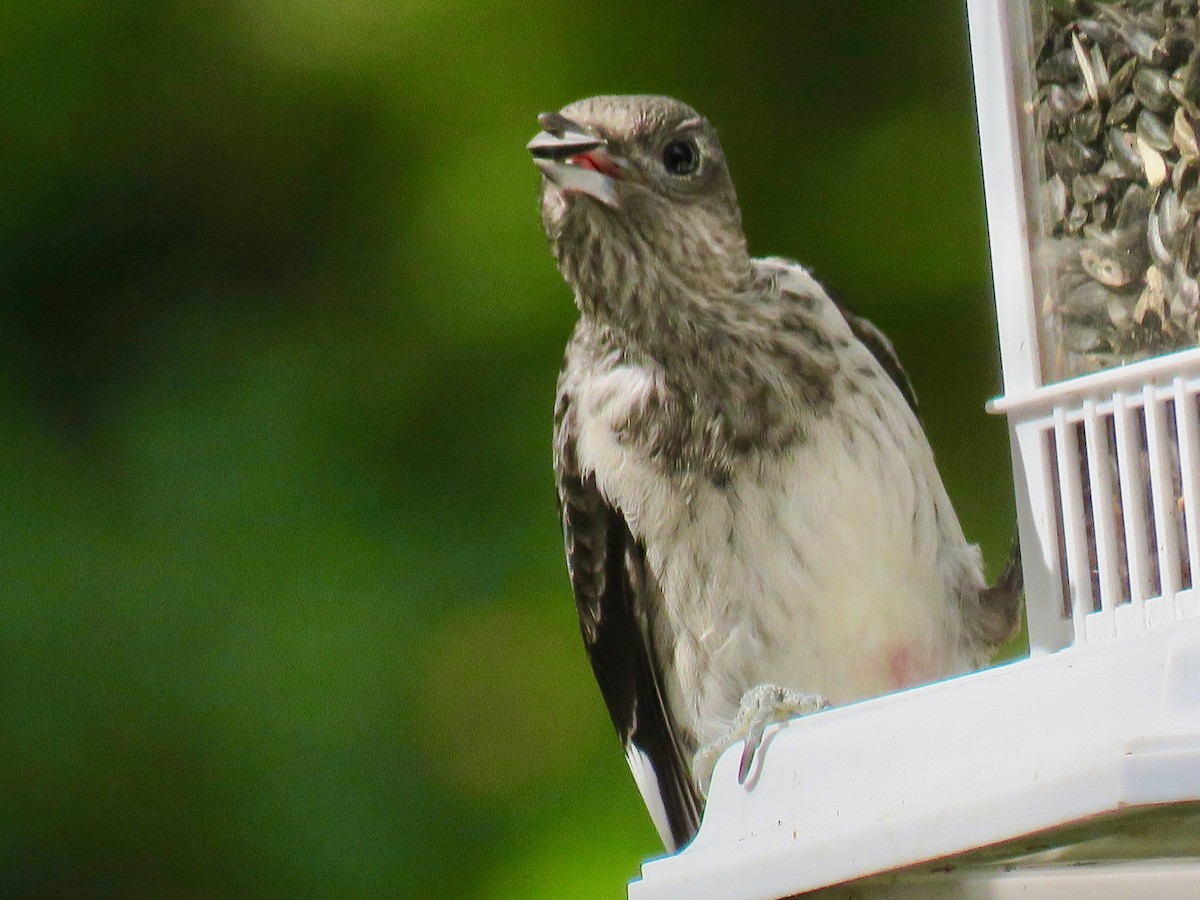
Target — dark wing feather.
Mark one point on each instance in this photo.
(868, 335)
(614, 594)
(879, 345)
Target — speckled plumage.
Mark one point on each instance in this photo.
(747, 494)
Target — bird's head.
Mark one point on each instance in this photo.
(636, 196)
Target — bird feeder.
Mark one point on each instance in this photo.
(1076, 772)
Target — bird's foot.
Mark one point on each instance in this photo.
(763, 705)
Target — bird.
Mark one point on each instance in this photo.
(755, 527)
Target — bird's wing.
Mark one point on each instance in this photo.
(616, 597)
(881, 348)
(799, 280)
(999, 613)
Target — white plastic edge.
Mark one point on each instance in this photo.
(948, 768)
(1008, 232)
(1040, 401)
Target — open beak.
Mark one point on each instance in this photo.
(574, 160)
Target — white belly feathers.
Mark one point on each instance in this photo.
(828, 569)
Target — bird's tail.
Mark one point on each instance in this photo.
(1000, 604)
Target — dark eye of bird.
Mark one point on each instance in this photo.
(681, 157)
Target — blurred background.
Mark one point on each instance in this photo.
(284, 612)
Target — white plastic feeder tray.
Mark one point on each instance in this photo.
(1075, 773)
(991, 766)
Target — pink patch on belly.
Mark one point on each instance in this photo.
(909, 664)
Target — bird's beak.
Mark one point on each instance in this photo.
(575, 160)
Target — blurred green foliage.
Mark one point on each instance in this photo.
(284, 610)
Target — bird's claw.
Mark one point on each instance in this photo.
(750, 748)
(763, 705)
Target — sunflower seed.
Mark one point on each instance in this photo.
(1158, 246)
(1076, 218)
(1188, 93)
(1063, 104)
(1088, 188)
(1171, 217)
(1152, 88)
(1059, 68)
(1100, 33)
(1122, 77)
(1184, 136)
(1081, 157)
(1143, 43)
(1086, 125)
(1133, 209)
(1122, 109)
(1152, 298)
(1056, 190)
(1107, 270)
(1154, 131)
(1120, 145)
(1155, 165)
(1083, 60)
(1118, 313)
(1111, 170)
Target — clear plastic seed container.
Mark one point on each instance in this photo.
(1111, 103)
(1089, 115)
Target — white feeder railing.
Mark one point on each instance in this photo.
(1076, 773)
(1112, 473)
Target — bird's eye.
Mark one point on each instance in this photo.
(681, 157)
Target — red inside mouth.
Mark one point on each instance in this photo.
(597, 161)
